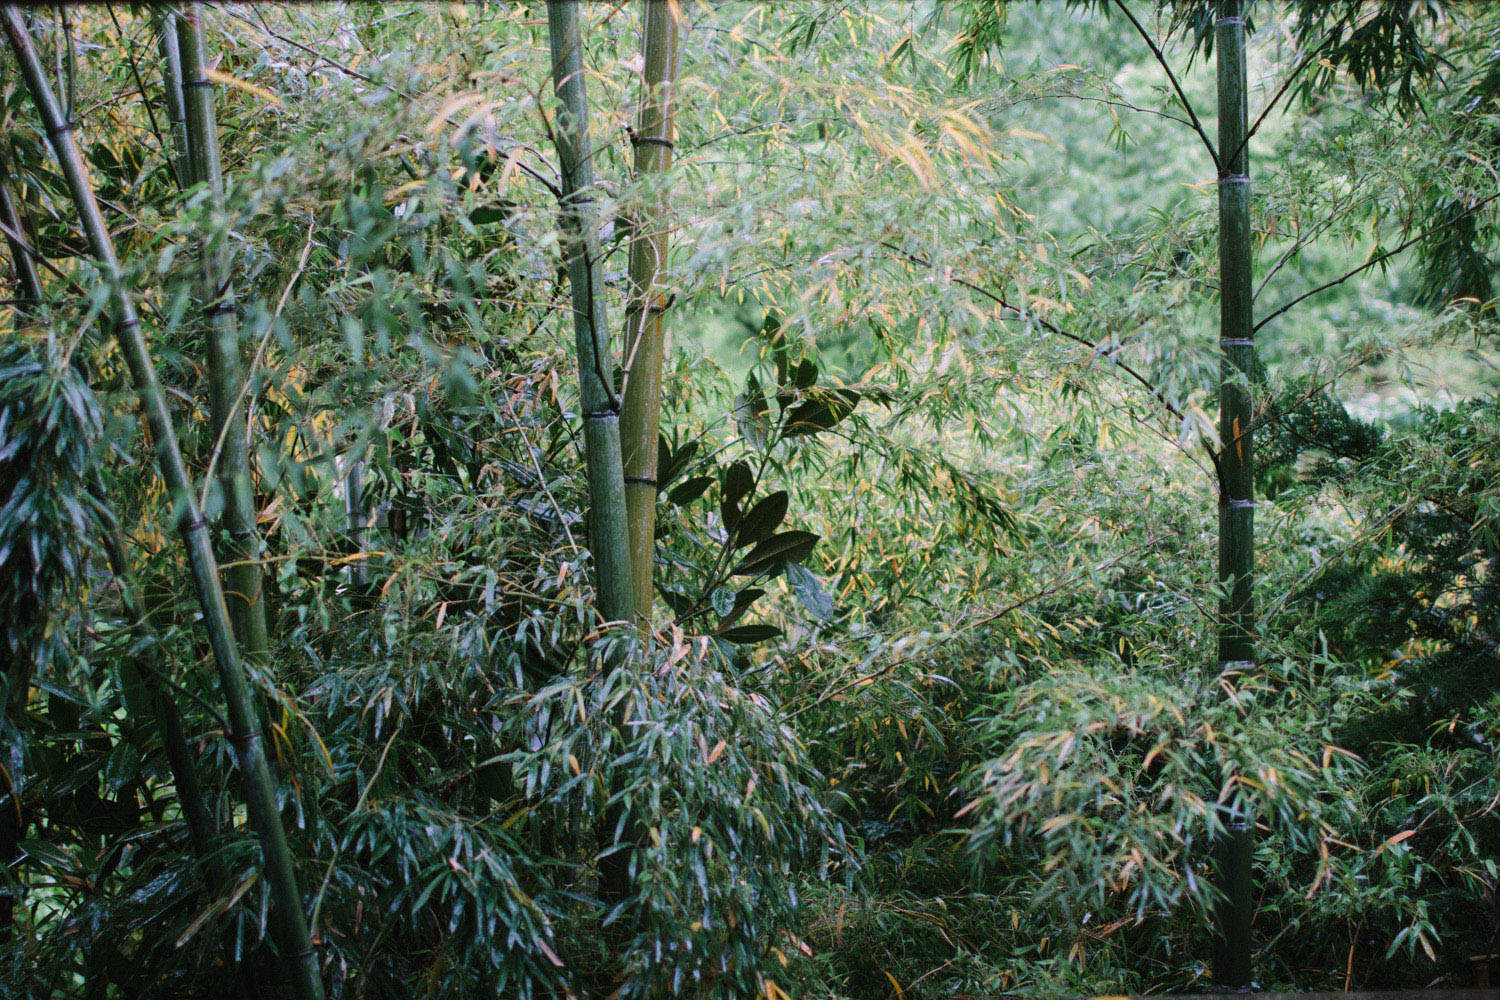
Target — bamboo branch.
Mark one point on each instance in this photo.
(1186, 104)
(1380, 259)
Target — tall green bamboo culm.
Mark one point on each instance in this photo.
(164, 24)
(28, 281)
(641, 416)
(608, 531)
(146, 671)
(240, 549)
(289, 921)
(1235, 849)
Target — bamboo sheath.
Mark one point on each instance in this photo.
(640, 417)
(289, 922)
(1234, 851)
(241, 549)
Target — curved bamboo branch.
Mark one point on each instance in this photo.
(1186, 104)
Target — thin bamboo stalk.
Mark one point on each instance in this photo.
(164, 23)
(1234, 852)
(290, 922)
(641, 417)
(28, 281)
(608, 530)
(609, 537)
(241, 547)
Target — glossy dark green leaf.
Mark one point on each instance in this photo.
(689, 490)
(486, 214)
(805, 375)
(778, 550)
(738, 481)
(744, 635)
(824, 409)
(763, 518)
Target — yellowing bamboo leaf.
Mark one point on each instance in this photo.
(219, 76)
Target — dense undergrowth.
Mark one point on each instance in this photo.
(931, 712)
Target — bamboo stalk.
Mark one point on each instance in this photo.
(290, 922)
(641, 417)
(164, 23)
(1234, 852)
(608, 530)
(609, 537)
(28, 281)
(241, 548)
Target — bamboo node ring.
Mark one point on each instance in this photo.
(641, 480)
(1238, 504)
(649, 140)
(1235, 179)
(1237, 342)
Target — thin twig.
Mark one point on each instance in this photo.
(1186, 105)
(1380, 259)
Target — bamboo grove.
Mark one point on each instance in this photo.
(877, 607)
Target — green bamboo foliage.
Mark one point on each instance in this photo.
(641, 416)
(290, 923)
(146, 672)
(1235, 850)
(609, 536)
(241, 549)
